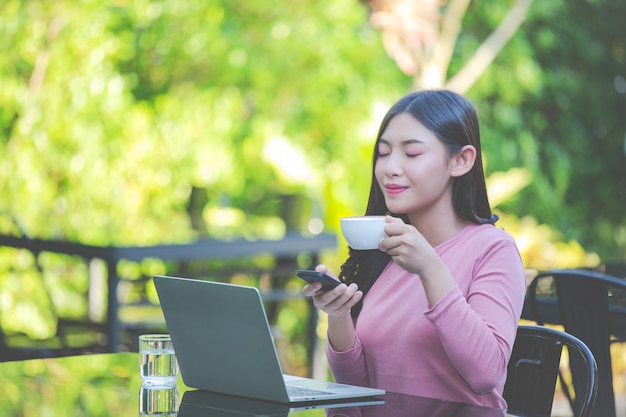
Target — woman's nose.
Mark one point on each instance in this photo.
(393, 167)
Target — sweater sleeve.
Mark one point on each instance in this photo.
(477, 331)
(348, 367)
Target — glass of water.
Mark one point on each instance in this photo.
(157, 360)
(158, 400)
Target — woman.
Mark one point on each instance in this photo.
(433, 312)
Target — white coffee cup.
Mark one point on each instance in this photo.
(363, 232)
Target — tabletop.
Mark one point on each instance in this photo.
(109, 385)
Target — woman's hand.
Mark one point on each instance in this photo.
(337, 302)
(407, 246)
(411, 251)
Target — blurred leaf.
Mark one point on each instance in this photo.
(502, 185)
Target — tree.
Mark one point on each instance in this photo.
(420, 35)
(140, 122)
(552, 103)
(426, 40)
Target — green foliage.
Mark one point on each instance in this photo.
(138, 122)
(553, 102)
(142, 122)
(116, 113)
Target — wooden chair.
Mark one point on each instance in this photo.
(534, 367)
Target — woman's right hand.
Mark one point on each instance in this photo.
(337, 302)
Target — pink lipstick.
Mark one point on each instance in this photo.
(394, 188)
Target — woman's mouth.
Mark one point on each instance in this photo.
(394, 189)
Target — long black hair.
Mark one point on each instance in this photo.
(452, 118)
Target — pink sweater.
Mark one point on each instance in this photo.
(457, 350)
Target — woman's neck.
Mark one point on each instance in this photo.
(438, 224)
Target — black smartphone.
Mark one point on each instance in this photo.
(328, 283)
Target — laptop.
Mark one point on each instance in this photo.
(223, 344)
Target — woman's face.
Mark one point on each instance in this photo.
(413, 168)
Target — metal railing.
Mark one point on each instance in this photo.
(288, 253)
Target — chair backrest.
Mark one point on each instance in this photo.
(534, 367)
(581, 300)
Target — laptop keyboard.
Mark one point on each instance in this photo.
(299, 392)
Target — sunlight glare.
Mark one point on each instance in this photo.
(288, 160)
(316, 226)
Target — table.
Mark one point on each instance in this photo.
(109, 385)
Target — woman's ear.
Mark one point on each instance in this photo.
(463, 161)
